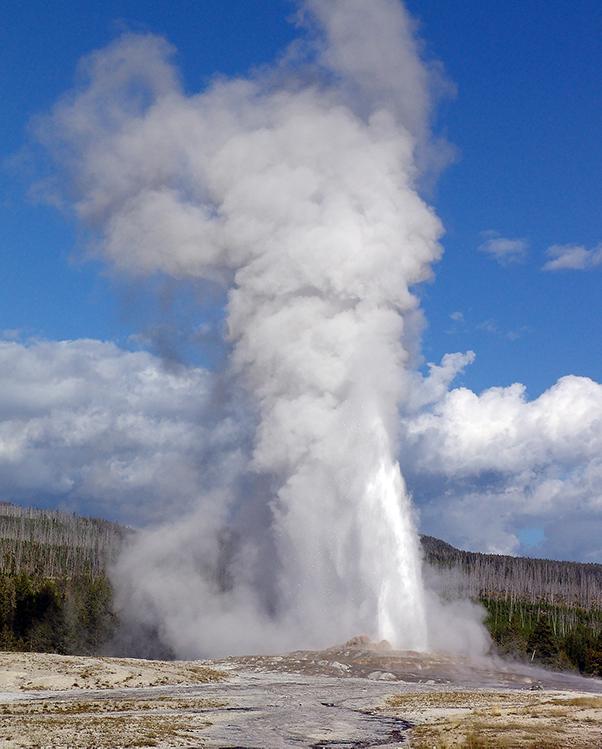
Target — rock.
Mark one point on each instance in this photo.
(340, 666)
(382, 676)
(383, 645)
(358, 642)
(363, 642)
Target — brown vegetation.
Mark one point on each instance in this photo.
(501, 720)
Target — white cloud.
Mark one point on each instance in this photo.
(95, 428)
(430, 389)
(503, 250)
(572, 257)
(102, 430)
(491, 326)
(488, 326)
(486, 465)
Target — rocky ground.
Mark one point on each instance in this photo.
(354, 697)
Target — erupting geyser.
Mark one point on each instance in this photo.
(295, 189)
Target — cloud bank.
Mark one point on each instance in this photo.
(97, 429)
(102, 430)
(487, 466)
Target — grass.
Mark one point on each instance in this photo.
(204, 674)
(477, 738)
(507, 720)
(106, 731)
(106, 724)
(593, 702)
(106, 707)
(96, 678)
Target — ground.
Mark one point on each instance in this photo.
(354, 697)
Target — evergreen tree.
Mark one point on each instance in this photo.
(542, 642)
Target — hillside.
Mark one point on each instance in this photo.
(55, 595)
(51, 544)
(518, 578)
(538, 609)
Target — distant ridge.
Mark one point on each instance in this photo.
(574, 584)
(51, 543)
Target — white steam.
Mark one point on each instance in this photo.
(296, 190)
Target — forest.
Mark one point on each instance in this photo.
(55, 595)
(540, 610)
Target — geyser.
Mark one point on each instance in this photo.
(295, 189)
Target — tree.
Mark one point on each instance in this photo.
(542, 643)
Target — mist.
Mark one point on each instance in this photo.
(297, 190)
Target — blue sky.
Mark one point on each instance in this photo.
(525, 122)
(48, 290)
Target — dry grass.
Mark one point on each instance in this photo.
(113, 723)
(593, 702)
(451, 699)
(42, 671)
(106, 706)
(104, 724)
(101, 732)
(502, 720)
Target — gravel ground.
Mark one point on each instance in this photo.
(354, 697)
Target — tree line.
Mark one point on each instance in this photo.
(476, 575)
(69, 615)
(539, 610)
(55, 595)
(54, 592)
(48, 543)
(552, 635)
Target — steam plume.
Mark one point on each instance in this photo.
(296, 190)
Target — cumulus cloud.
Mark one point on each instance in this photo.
(91, 427)
(102, 430)
(429, 389)
(503, 250)
(572, 257)
(487, 465)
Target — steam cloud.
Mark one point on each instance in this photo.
(295, 189)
